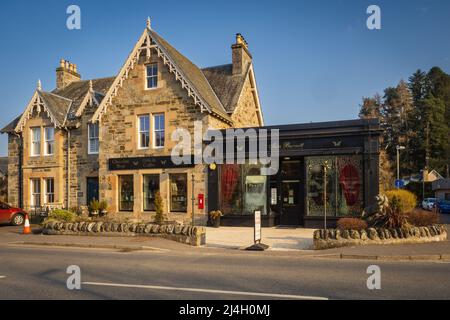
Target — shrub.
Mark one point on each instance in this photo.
(94, 206)
(159, 208)
(103, 205)
(62, 215)
(351, 224)
(422, 218)
(401, 200)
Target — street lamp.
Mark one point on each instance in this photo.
(326, 167)
(398, 160)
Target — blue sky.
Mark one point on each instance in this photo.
(314, 60)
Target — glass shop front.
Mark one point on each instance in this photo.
(301, 190)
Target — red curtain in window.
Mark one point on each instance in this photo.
(229, 181)
(350, 182)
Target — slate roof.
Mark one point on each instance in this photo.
(193, 74)
(57, 105)
(226, 86)
(216, 86)
(76, 91)
(65, 102)
(9, 128)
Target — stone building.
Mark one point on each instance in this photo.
(109, 138)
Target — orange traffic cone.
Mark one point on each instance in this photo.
(26, 226)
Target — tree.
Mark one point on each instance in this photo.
(371, 108)
(159, 209)
(396, 112)
(437, 139)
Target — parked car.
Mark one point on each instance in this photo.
(428, 203)
(14, 216)
(443, 206)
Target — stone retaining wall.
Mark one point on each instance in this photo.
(194, 236)
(334, 238)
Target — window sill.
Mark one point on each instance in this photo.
(151, 89)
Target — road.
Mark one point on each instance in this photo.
(34, 272)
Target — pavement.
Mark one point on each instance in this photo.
(282, 241)
(277, 238)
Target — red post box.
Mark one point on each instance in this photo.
(201, 201)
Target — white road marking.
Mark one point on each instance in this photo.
(238, 293)
(2, 277)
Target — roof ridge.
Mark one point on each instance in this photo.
(56, 95)
(217, 66)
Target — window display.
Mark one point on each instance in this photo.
(150, 188)
(178, 192)
(343, 186)
(126, 189)
(243, 189)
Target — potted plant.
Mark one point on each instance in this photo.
(94, 207)
(103, 205)
(215, 218)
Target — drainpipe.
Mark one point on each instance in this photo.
(20, 173)
(68, 168)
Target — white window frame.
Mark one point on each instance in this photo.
(46, 191)
(35, 182)
(155, 130)
(140, 131)
(147, 76)
(47, 142)
(93, 138)
(33, 142)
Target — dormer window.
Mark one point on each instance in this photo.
(152, 76)
(35, 141)
(49, 141)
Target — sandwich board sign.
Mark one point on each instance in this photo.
(257, 246)
(257, 227)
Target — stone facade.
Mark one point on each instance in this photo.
(73, 106)
(14, 156)
(119, 127)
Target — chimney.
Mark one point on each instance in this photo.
(66, 73)
(241, 56)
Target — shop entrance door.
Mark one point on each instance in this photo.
(290, 202)
(92, 190)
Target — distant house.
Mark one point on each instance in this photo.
(441, 188)
(3, 179)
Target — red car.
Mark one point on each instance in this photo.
(14, 216)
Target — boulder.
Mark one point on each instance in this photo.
(373, 234)
(98, 227)
(354, 234)
(90, 226)
(148, 228)
(185, 231)
(178, 228)
(155, 229)
(364, 236)
(169, 229)
(346, 234)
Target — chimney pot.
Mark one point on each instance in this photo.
(241, 56)
(66, 74)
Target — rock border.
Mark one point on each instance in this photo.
(336, 238)
(194, 236)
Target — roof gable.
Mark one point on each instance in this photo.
(188, 74)
(54, 106)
